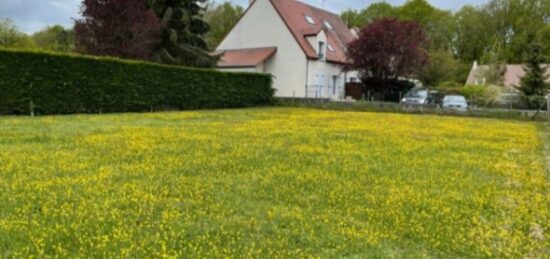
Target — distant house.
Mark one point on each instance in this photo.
(512, 75)
(302, 46)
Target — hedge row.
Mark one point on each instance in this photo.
(44, 83)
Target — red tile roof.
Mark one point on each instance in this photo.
(245, 57)
(512, 76)
(293, 14)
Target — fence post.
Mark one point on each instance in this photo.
(31, 108)
(548, 107)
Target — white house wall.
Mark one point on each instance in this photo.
(320, 80)
(262, 26)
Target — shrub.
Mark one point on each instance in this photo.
(62, 84)
(471, 91)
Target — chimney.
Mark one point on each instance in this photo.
(475, 64)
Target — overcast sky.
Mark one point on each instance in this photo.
(33, 15)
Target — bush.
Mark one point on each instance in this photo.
(471, 91)
(63, 84)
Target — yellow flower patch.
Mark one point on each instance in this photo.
(275, 182)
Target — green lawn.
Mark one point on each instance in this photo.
(272, 182)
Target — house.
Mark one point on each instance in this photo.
(511, 78)
(302, 46)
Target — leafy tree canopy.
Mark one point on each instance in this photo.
(55, 38)
(119, 28)
(221, 19)
(11, 37)
(388, 50)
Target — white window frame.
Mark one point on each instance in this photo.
(321, 53)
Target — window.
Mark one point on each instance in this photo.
(328, 25)
(330, 48)
(321, 50)
(309, 19)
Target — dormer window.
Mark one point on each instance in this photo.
(330, 48)
(309, 19)
(321, 53)
(327, 24)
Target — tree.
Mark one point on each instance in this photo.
(376, 11)
(119, 28)
(55, 38)
(182, 39)
(388, 50)
(221, 19)
(11, 37)
(543, 35)
(514, 24)
(350, 18)
(373, 12)
(472, 35)
(437, 24)
(494, 75)
(533, 83)
(443, 68)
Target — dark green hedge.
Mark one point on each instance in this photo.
(62, 84)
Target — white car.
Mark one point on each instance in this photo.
(455, 102)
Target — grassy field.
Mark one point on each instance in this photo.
(275, 182)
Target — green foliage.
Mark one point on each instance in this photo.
(534, 81)
(11, 37)
(221, 19)
(55, 38)
(473, 36)
(351, 18)
(469, 91)
(443, 67)
(514, 24)
(494, 74)
(543, 35)
(372, 13)
(183, 33)
(471, 33)
(61, 84)
(483, 95)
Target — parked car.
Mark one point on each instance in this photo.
(416, 96)
(419, 96)
(455, 102)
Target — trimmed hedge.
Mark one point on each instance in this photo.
(45, 83)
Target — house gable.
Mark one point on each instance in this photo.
(304, 20)
(511, 78)
(262, 27)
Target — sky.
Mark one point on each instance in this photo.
(33, 15)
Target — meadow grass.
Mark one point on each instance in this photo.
(272, 182)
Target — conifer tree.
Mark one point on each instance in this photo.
(534, 81)
(182, 41)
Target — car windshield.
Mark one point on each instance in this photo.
(417, 94)
(454, 98)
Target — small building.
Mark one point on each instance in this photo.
(302, 46)
(511, 78)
